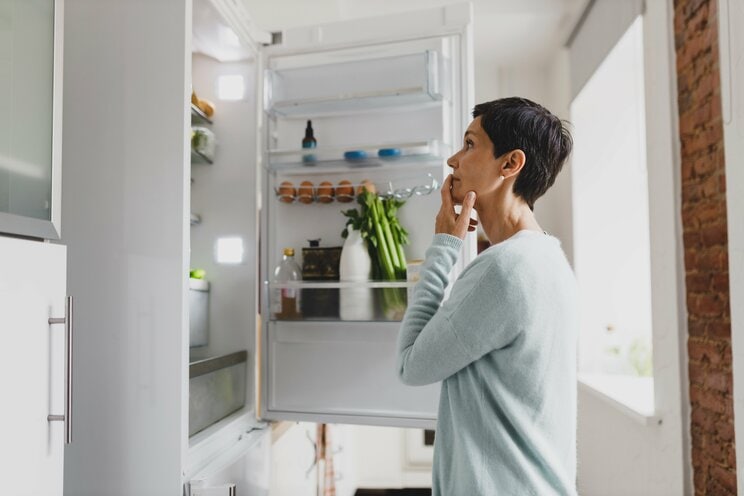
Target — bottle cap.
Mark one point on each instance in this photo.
(289, 252)
(309, 130)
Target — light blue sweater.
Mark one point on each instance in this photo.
(504, 347)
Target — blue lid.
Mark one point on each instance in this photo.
(355, 155)
(388, 152)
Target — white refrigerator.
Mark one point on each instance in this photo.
(400, 82)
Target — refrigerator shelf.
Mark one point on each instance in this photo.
(199, 158)
(198, 116)
(323, 159)
(355, 86)
(354, 103)
(339, 284)
(332, 301)
(306, 194)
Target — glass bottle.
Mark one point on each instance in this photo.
(285, 303)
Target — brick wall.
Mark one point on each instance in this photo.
(705, 245)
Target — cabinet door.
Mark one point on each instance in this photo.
(367, 83)
(32, 289)
(30, 117)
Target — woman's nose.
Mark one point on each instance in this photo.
(452, 161)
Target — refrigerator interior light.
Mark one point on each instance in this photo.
(229, 250)
(231, 87)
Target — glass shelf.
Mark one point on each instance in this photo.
(331, 159)
(332, 301)
(200, 158)
(339, 284)
(198, 116)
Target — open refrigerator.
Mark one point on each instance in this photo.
(389, 99)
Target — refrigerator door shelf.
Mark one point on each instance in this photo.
(307, 354)
(323, 159)
(356, 86)
(324, 191)
(370, 301)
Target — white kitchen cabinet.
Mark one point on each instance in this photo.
(129, 198)
(33, 371)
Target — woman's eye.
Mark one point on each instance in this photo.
(468, 144)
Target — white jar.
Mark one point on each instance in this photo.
(355, 303)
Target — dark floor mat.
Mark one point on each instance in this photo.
(394, 492)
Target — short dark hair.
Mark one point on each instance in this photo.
(518, 123)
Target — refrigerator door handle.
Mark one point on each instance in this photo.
(67, 416)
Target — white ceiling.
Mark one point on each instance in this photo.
(507, 32)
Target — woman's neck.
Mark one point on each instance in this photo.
(504, 217)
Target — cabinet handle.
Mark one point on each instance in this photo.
(67, 416)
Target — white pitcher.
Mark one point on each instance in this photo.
(355, 303)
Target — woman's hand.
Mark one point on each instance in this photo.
(448, 221)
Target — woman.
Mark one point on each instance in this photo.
(504, 342)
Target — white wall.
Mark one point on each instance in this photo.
(124, 211)
(616, 454)
(546, 83)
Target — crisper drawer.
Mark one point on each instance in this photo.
(342, 373)
(356, 85)
(217, 388)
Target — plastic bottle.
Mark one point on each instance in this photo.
(285, 302)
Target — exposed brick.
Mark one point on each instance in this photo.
(704, 351)
(726, 477)
(711, 259)
(705, 239)
(714, 235)
(718, 329)
(708, 305)
(719, 381)
(725, 431)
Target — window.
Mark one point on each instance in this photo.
(611, 219)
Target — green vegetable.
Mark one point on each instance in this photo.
(197, 273)
(377, 221)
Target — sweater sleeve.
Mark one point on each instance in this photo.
(481, 315)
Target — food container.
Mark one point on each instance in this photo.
(320, 263)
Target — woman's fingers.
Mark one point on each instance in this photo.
(447, 192)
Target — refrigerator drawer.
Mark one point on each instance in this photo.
(342, 373)
(216, 389)
(355, 85)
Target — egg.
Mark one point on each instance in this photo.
(325, 192)
(287, 192)
(345, 191)
(366, 185)
(305, 192)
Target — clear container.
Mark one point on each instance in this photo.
(285, 301)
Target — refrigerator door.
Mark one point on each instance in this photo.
(389, 99)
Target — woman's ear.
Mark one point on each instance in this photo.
(513, 163)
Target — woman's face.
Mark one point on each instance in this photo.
(474, 168)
